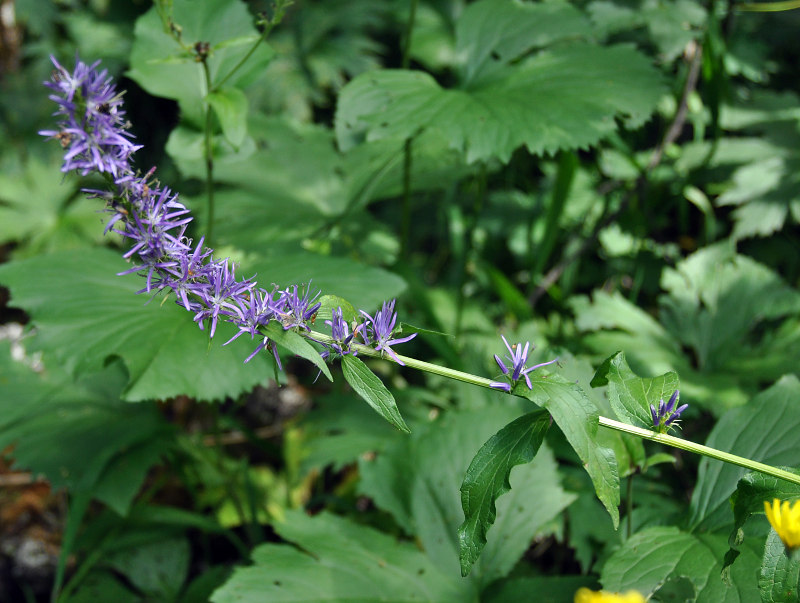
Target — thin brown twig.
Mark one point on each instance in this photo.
(674, 131)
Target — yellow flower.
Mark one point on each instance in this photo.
(785, 518)
(584, 595)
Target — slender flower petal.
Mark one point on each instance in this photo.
(785, 519)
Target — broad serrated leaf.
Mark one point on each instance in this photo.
(564, 98)
(765, 430)
(631, 395)
(337, 560)
(85, 315)
(487, 479)
(780, 572)
(298, 345)
(578, 419)
(80, 435)
(655, 557)
(367, 385)
(230, 107)
(492, 34)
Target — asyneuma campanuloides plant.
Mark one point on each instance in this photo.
(94, 133)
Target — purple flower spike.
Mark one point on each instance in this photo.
(378, 330)
(517, 357)
(667, 415)
(92, 126)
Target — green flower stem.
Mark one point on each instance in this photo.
(663, 438)
(411, 362)
(645, 434)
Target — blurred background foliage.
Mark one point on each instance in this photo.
(591, 176)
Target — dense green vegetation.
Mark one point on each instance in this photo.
(613, 182)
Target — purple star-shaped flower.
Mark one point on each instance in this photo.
(517, 358)
(379, 330)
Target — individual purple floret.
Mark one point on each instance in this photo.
(379, 330)
(92, 126)
(517, 358)
(222, 295)
(294, 309)
(667, 415)
(341, 335)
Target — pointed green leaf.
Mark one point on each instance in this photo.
(578, 419)
(296, 344)
(765, 430)
(779, 578)
(230, 106)
(337, 560)
(367, 385)
(331, 303)
(487, 479)
(631, 395)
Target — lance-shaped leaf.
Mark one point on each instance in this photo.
(487, 479)
(297, 345)
(578, 419)
(367, 385)
(631, 395)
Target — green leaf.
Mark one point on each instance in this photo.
(565, 98)
(649, 559)
(338, 429)
(756, 488)
(98, 316)
(338, 560)
(765, 430)
(631, 395)
(578, 419)
(160, 66)
(367, 385)
(487, 479)
(157, 569)
(296, 344)
(417, 479)
(780, 572)
(230, 106)
(334, 302)
(491, 34)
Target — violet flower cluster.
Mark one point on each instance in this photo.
(94, 133)
(517, 358)
(666, 415)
